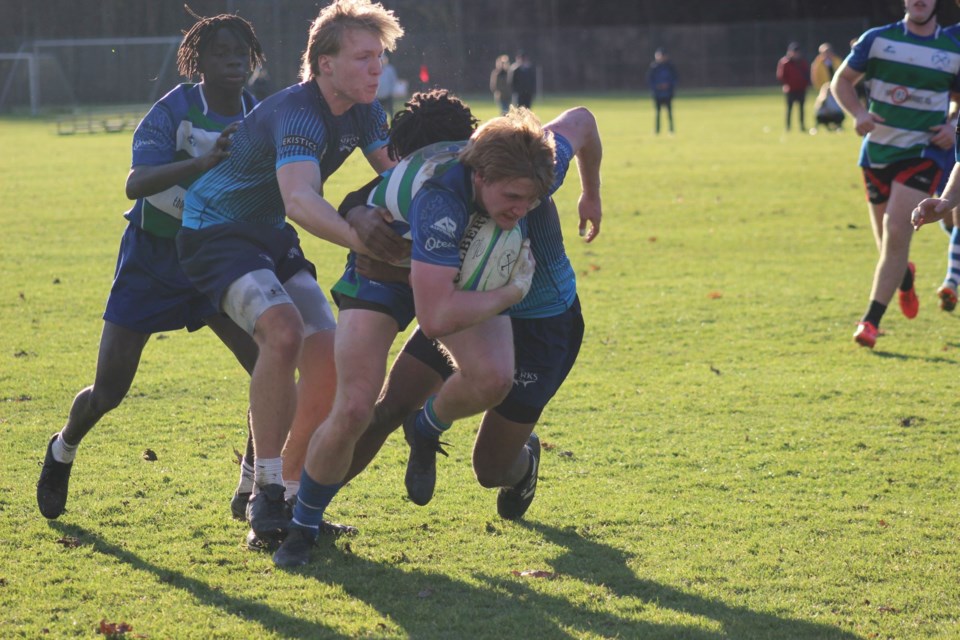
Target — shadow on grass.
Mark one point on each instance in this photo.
(902, 356)
(603, 565)
(249, 610)
(430, 605)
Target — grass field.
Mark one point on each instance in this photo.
(725, 461)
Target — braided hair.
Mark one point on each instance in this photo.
(430, 116)
(198, 37)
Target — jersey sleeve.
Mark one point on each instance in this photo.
(564, 154)
(299, 138)
(438, 219)
(154, 141)
(860, 53)
(377, 133)
(357, 198)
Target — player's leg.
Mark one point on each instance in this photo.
(801, 102)
(507, 452)
(947, 293)
(117, 362)
(484, 357)
(789, 98)
(362, 343)
(669, 104)
(656, 117)
(417, 373)
(260, 305)
(877, 184)
(245, 349)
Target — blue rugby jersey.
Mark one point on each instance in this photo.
(179, 126)
(293, 125)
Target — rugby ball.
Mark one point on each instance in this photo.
(487, 254)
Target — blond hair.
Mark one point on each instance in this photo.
(510, 147)
(326, 32)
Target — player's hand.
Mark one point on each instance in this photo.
(943, 135)
(221, 149)
(867, 122)
(930, 210)
(381, 271)
(590, 212)
(521, 276)
(373, 228)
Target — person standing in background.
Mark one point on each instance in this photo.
(824, 66)
(387, 87)
(500, 83)
(523, 80)
(793, 72)
(662, 78)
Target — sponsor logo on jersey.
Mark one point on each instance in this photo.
(445, 226)
(940, 60)
(436, 243)
(349, 142)
(300, 141)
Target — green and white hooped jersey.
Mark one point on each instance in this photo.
(910, 79)
(178, 127)
(401, 184)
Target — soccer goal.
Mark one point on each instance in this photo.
(71, 74)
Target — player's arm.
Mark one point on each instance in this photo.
(579, 127)
(844, 90)
(935, 209)
(300, 186)
(372, 224)
(443, 309)
(148, 179)
(380, 160)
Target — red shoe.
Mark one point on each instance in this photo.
(909, 302)
(866, 334)
(948, 297)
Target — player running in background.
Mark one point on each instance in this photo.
(912, 68)
(236, 246)
(184, 134)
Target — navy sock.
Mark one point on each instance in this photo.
(312, 500)
(428, 424)
(875, 313)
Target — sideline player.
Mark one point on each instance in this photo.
(912, 68)
(236, 246)
(150, 293)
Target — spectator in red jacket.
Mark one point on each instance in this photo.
(793, 72)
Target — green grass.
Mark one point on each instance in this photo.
(726, 462)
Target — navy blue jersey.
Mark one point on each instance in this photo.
(179, 126)
(293, 125)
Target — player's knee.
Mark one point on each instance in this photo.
(388, 415)
(488, 476)
(283, 338)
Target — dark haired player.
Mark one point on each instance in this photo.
(184, 134)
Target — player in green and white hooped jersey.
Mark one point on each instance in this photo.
(912, 67)
(185, 134)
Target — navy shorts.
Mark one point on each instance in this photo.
(353, 291)
(150, 292)
(922, 174)
(546, 349)
(215, 257)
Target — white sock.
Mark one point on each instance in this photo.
(63, 452)
(268, 471)
(246, 478)
(291, 488)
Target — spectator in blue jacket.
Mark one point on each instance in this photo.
(663, 80)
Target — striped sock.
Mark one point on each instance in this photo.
(312, 501)
(428, 424)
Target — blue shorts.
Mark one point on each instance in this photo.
(215, 257)
(150, 292)
(353, 291)
(546, 349)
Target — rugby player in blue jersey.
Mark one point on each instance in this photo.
(506, 166)
(236, 246)
(183, 135)
(912, 67)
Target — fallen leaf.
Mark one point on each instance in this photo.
(534, 573)
(885, 609)
(883, 523)
(238, 456)
(652, 239)
(425, 593)
(149, 455)
(115, 630)
(566, 454)
(714, 295)
(69, 542)
(547, 446)
(715, 370)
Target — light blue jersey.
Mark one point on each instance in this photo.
(293, 125)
